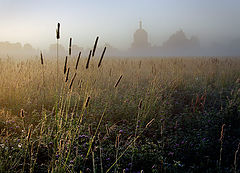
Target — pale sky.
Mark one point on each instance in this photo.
(115, 21)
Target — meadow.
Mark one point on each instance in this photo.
(179, 114)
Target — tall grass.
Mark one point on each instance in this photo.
(104, 118)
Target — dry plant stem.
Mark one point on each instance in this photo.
(136, 130)
(235, 159)
(57, 66)
(221, 140)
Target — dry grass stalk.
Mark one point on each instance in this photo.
(65, 66)
(88, 60)
(221, 140)
(67, 74)
(118, 81)
(79, 55)
(90, 129)
(95, 46)
(70, 47)
(100, 61)
(70, 87)
(29, 133)
(235, 158)
(149, 123)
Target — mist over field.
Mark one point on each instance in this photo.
(209, 28)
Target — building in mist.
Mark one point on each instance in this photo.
(140, 38)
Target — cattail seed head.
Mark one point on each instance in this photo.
(87, 102)
(78, 60)
(70, 47)
(41, 58)
(65, 66)
(58, 31)
(95, 46)
(22, 113)
(118, 81)
(70, 87)
(67, 74)
(88, 60)
(100, 61)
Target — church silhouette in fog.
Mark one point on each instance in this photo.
(140, 38)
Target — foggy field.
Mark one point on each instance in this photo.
(163, 115)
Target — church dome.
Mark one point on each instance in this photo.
(140, 38)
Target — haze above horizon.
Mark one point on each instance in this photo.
(34, 22)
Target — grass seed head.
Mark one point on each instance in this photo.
(79, 55)
(88, 60)
(58, 31)
(118, 81)
(95, 46)
(70, 47)
(41, 58)
(65, 66)
(100, 61)
(67, 74)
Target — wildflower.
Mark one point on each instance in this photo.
(2, 145)
(108, 159)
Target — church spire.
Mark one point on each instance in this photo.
(140, 24)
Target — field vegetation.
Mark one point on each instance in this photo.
(177, 114)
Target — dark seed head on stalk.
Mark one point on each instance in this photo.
(70, 47)
(70, 87)
(118, 81)
(95, 46)
(140, 104)
(65, 66)
(67, 74)
(41, 58)
(100, 61)
(87, 102)
(79, 55)
(22, 113)
(88, 60)
(58, 31)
